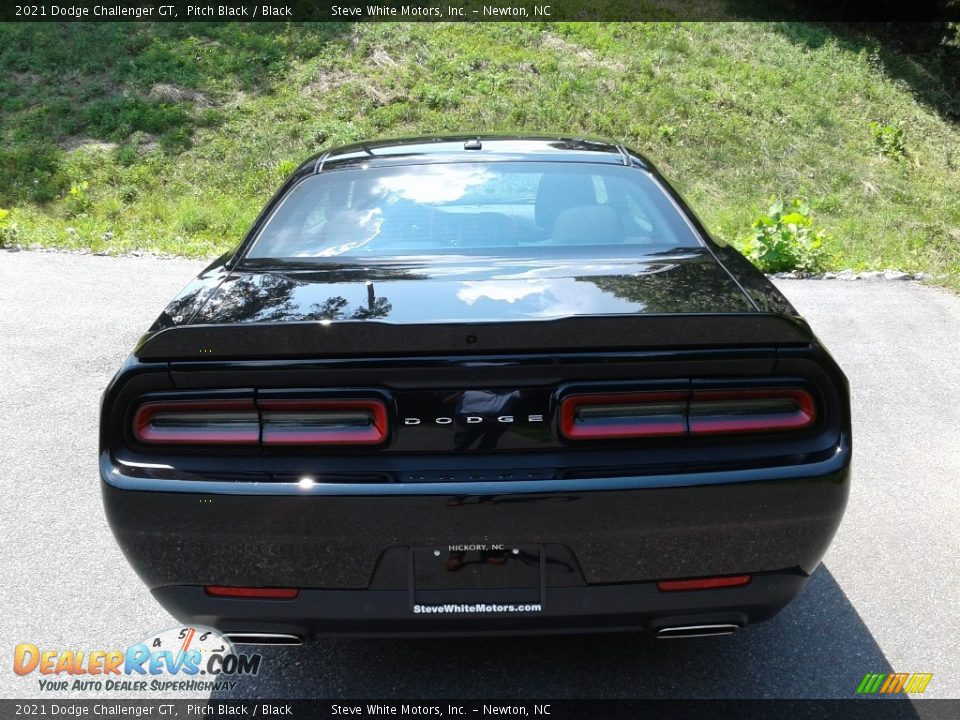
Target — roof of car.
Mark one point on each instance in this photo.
(447, 148)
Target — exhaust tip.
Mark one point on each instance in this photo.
(692, 631)
(264, 639)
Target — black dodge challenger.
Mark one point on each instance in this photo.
(468, 385)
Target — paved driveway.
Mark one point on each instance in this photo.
(885, 599)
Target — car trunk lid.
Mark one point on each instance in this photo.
(472, 305)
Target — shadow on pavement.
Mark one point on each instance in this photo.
(818, 647)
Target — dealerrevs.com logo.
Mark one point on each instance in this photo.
(194, 659)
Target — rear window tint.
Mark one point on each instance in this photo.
(472, 208)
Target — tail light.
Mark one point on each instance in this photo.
(324, 422)
(761, 410)
(624, 415)
(682, 412)
(197, 422)
(243, 421)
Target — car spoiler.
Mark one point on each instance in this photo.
(368, 338)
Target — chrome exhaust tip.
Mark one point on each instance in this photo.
(692, 631)
(263, 639)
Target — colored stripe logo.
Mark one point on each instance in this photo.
(890, 683)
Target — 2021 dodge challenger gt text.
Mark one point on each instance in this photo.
(466, 385)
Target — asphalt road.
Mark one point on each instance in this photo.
(886, 598)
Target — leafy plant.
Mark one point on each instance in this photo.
(889, 139)
(8, 230)
(78, 202)
(785, 239)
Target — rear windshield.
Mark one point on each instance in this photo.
(473, 208)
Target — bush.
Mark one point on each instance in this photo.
(784, 239)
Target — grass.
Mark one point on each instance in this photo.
(169, 138)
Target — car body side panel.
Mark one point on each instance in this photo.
(760, 290)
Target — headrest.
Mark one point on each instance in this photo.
(557, 192)
(590, 225)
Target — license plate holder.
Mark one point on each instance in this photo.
(477, 573)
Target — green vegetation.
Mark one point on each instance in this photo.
(889, 139)
(781, 241)
(170, 138)
(8, 231)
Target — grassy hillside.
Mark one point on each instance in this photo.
(170, 138)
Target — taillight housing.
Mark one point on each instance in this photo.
(680, 413)
(197, 422)
(323, 422)
(270, 421)
(750, 410)
(624, 415)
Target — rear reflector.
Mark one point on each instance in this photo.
(703, 583)
(252, 592)
(324, 422)
(202, 422)
(760, 410)
(624, 415)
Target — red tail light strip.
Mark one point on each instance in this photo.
(350, 421)
(678, 413)
(624, 415)
(324, 422)
(364, 421)
(760, 410)
(198, 422)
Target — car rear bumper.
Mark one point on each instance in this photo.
(605, 543)
(596, 608)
